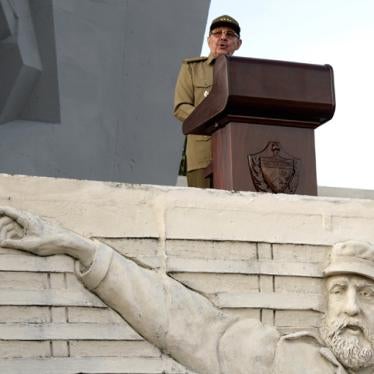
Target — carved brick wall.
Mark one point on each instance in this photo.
(254, 255)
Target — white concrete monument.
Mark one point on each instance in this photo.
(186, 326)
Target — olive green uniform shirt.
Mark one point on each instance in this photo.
(193, 85)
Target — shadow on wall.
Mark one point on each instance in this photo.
(28, 70)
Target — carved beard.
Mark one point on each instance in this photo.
(351, 351)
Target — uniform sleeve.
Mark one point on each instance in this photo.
(179, 321)
(98, 270)
(184, 93)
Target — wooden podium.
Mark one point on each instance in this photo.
(262, 115)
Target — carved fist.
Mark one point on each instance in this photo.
(28, 232)
(9, 229)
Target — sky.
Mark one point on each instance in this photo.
(335, 32)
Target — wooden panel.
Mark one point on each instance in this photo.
(236, 141)
(271, 89)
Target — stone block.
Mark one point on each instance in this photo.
(244, 312)
(23, 280)
(211, 283)
(68, 331)
(264, 251)
(24, 314)
(304, 285)
(57, 280)
(297, 319)
(272, 300)
(59, 348)
(69, 202)
(49, 297)
(134, 247)
(80, 348)
(20, 261)
(266, 283)
(300, 252)
(211, 249)
(97, 365)
(73, 283)
(267, 317)
(93, 315)
(24, 349)
(58, 314)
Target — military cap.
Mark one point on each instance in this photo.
(352, 257)
(225, 21)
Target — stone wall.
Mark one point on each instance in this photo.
(254, 255)
(87, 86)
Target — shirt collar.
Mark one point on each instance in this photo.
(324, 351)
(211, 59)
(329, 356)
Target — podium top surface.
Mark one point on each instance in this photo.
(288, 92)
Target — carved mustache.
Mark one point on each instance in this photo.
(339, 325)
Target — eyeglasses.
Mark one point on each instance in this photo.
(229, 34)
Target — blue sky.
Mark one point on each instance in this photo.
(336, 32)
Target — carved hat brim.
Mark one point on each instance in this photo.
(350, 265)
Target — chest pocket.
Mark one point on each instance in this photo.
(202, 87)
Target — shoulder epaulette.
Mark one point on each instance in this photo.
(195, 59)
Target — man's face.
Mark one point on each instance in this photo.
(348, 326)
(223, 41)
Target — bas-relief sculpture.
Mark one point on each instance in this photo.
(190, 329)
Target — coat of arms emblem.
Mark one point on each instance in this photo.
(274, 170)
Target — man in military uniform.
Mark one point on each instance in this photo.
(185, 325)
(193, 85)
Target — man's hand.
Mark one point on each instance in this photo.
(30, 233)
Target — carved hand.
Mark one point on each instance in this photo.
(27, 232)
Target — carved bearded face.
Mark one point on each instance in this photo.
(348, 325)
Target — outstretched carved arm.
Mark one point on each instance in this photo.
(27, 232)
(179, 321)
